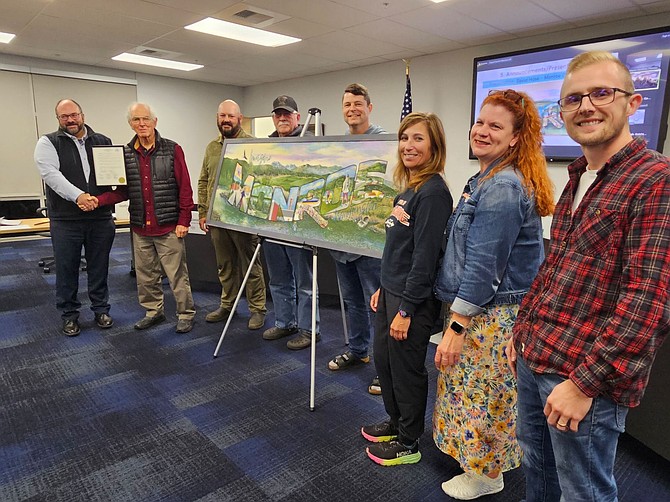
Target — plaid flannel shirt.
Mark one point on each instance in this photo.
(598, 309)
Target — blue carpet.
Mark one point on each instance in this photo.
(121, 415)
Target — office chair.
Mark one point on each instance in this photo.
(47, 262)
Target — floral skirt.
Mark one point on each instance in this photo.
(474, 420)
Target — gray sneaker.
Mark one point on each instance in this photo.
(276, 333)
(302, 341)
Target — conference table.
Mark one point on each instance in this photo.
(35, 226)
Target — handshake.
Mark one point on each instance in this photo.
(87, 202)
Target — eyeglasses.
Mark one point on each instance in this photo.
(510, 94)
(138, 120)
(66, 116)
(598, 97)
(282, 113)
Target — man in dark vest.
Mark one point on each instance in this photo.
(65, 162)
(161, 199)
(233, 250)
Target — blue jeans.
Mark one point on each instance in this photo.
(68, 238)
(291, 286)
(359, 279)
(566, 466)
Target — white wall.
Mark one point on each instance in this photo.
(186, 112)
(441, 83)
(186, 109)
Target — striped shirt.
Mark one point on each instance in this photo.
(598, 309)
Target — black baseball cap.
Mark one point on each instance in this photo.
(285, 103)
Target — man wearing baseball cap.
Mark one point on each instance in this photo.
(286, 117)
(290, 268)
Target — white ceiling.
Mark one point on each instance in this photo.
(336, 34)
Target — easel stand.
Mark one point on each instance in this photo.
(314, 307)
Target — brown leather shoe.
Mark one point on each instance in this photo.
(148, 321)
(257, 320)
(218, 315)
(184, 325)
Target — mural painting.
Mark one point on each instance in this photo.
(331, 192)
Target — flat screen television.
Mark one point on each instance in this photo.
(539, 72)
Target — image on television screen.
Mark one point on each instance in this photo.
(540, 73)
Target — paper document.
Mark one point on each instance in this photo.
(109, 165)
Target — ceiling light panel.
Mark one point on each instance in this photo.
(5, 38)
(233, 31)
(162, 63)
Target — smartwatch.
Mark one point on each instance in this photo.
(403, 314)
(457, 327)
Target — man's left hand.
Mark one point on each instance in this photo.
(181, 231)
(566, 406)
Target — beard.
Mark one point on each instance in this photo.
(72, 129)
(231, 133)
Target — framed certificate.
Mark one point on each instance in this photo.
(109, 165)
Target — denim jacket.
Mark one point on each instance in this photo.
(494, 247)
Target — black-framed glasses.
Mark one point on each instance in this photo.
(598, 97)
(510, 94)
(66, 116)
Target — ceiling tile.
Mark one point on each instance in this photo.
(319, 11)
(446, 22)
(383, 8)
(578, 9)
(204, 7)
(355, 44)
(507, 16)
(398, 34)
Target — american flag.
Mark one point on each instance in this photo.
(407, 103)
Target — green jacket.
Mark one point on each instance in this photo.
(210, 163)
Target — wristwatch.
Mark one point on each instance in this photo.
(403, 314)
(457, 327)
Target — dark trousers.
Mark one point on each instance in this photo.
(401, 365)
(68, 238)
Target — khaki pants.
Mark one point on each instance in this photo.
(153, 256)
(233, 255)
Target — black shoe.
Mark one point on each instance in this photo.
(379, 433)
(184, 325)
(71, 327)
(276, 333)
(104, 321)
(302, 341)
(394, 453)
(148, 321)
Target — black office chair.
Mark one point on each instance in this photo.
(47, 262)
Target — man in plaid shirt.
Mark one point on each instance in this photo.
(589, 328)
